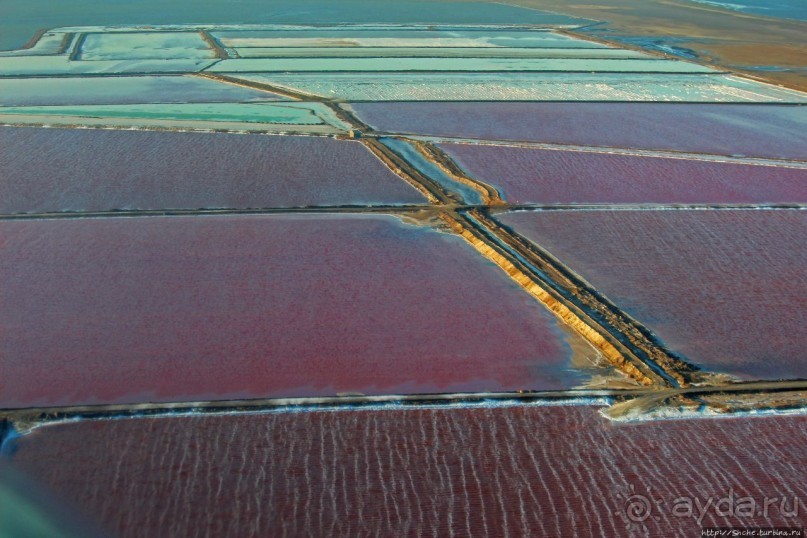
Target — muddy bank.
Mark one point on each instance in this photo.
(720, 36)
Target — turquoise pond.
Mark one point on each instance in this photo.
(22, 18)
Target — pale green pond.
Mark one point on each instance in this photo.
(48, 43)
(147, 45)
(120, 90)
(532, 87)
(434, 52)
(62, 65)
(391, 37)
(457, 64)
(295, 114)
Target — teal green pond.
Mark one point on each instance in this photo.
(22, 18)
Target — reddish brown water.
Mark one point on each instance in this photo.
(97, 170)
(548, 471)
(188, 308)
(725, 129)
(727, 289)
(528, 175)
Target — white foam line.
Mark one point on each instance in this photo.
(705, 413)
(532, 27)
(295, 409)
(658, 207)
(158, 128)
(709, 157)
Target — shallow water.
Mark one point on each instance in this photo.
(783, 9)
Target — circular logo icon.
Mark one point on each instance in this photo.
(638, 508)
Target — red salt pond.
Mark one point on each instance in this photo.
(727, 289)
(773, 131)
(529, 175)
(196, 308)
(522, 471)
(96, 170)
